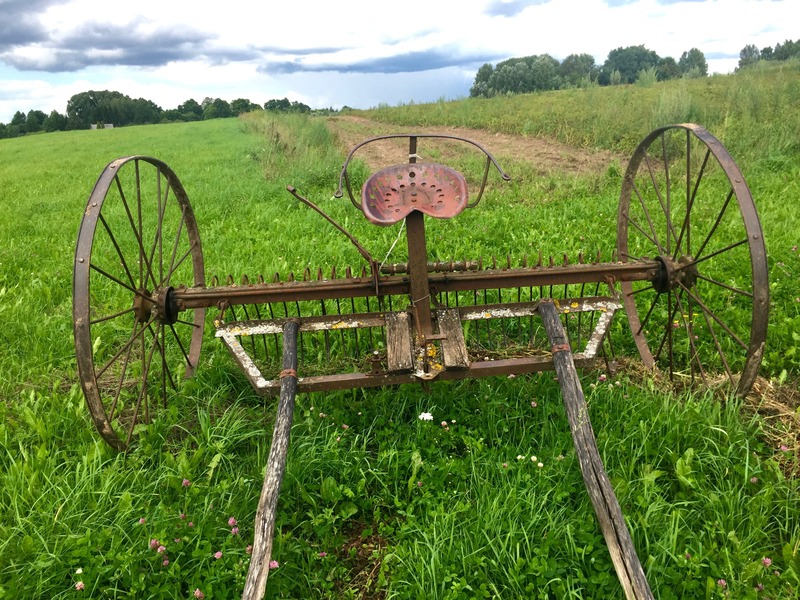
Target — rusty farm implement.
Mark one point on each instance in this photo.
(688, 271)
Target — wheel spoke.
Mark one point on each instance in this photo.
(714, 316)
(654, 239)
(727, 287)
(127, 345)
(716, 223)
(142, 391)
(113, 316)
(118, 282)
(183, 350)
(172, 265)
(649, 312)
(697, 261)
(121, 379)
(685, 228)
(113, 239)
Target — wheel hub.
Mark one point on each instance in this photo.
(673, 273)
(142, 305)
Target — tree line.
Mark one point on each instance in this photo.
(623, 65)
(100, 107)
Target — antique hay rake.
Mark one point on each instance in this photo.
(689, 271)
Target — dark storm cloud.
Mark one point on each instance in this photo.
(97, 44)
(511, 8)
(409, 62)
(19, 23)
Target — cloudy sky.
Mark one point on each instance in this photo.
(358, 53)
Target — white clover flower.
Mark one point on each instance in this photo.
(520, 457)
(426, 416)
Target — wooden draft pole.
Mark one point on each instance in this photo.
(256, 583)
(606, 506)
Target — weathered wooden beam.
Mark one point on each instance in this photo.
(606, 506)
(256, 583)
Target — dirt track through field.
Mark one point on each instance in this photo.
(546, 156)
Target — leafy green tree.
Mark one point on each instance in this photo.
(55, 121)
(480, 87)
(576, 69)
(242, 105)
(668, 69)
(217, 109)
(786, 50)
(766, 53)
(18, 123)
(749, 55)
(628, 61)
(191, 106)
(34, 120)
(693, 61)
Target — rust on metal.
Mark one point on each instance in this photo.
(389, 195)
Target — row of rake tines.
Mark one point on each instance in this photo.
(357, 348)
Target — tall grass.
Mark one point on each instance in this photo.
(754, 112)
(389, 506)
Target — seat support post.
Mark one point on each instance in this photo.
(418, 260)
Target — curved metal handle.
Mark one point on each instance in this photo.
(344, 180)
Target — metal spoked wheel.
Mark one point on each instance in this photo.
(138, 240)
(685, 204)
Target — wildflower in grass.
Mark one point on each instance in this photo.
(161, 549)
(452, 421)
(505, 465)
(142, 521)
(754, 480)
(766, 561)
(78, 571)
(249, 549)
(79, 586)
(759, 587)
(311, 409)
(687, 556)
(322, 554)
(602, 377)
(217, 554)
(165, 562)
(154, 543)
(419, 484)
(520, 457)
(186, 483)
(722, 583)
(345, 426)
(273, 564)
(198, 594)
(560, 457)
(235, 531)
(426, 416)
(232, 522)
(784, 448)
(534, 404)
(322, 415)
(177, 540)
(190, 524)
(534, 459)
(182, 516)
(540, 464)
(338, 438)
(511, 376)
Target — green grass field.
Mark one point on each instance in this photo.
(492, 505)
